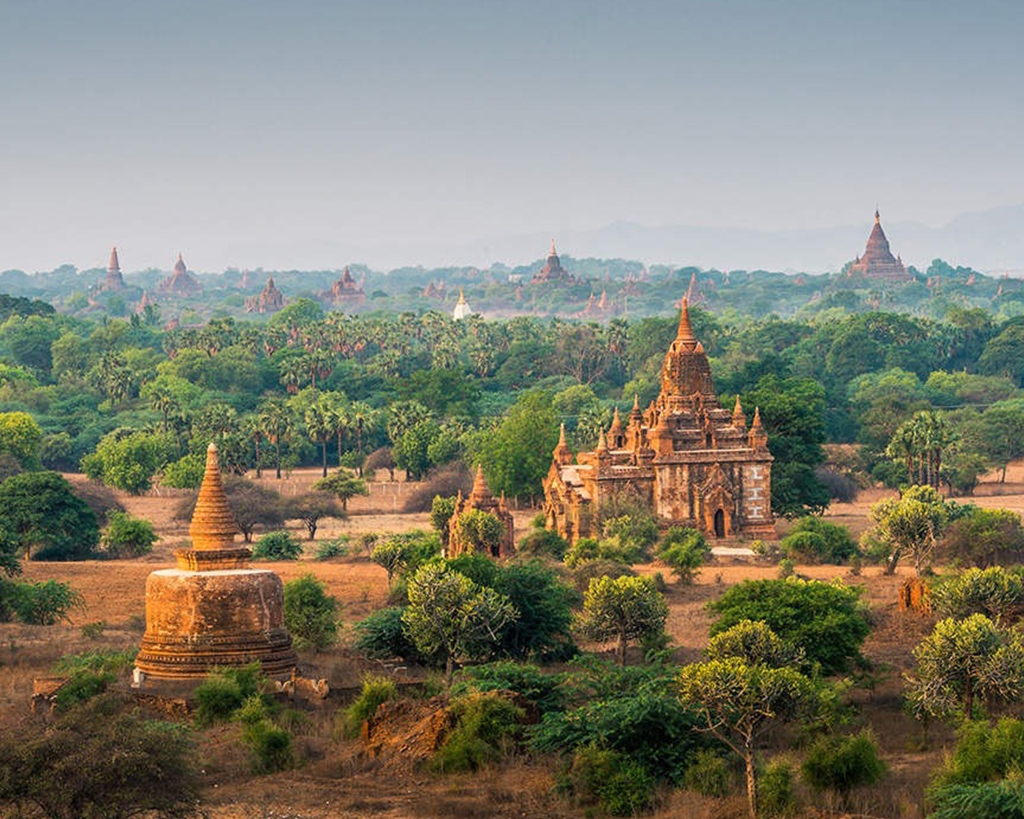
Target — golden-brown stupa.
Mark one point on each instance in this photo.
(213, 610)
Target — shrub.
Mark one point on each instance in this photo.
(985, 537)
(587, 570)
(223, 693)
(186, 472)
(841, 487)
(787, 568)
(270, 745)
(824, 620)
(445, 481)
(43, 604)
(984, 752)
(543, 543)
(842, 763)
(441, 511)
(983, 800)
(634, 533)
(47, 519)
(310, 614)
(685, 551)
(375, 692)
(480, 532)
(776, 794)
(277, 546)
(381, 636)
(586, 548)
(81, 686)
(609, 780)
(96, 760)
(329, 549)
(543, 690)
(487, 726)
(97, 497)
(996, 593)
(812, 540)
(127, 537)
(708, 774)
(543, 603)
(97, 661)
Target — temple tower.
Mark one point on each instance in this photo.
(114, 280)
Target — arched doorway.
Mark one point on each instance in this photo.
(720, 523)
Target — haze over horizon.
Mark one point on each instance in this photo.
(255, 134)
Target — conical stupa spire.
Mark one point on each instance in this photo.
(213, 526)
(462, 296)
(561, 436)
(616, 422)
(114, 266)
(552, 252)
(685, 330)
(636, 402)
(738, 418)
(480, 488)
(757, 419)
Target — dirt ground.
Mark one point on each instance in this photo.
(337, 781)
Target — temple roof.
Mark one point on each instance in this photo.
(213, 525)
(179, 266)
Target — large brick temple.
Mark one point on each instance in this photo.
(693, 462)
(878, 261)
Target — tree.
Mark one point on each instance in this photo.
(985, 537)
(412, 449)
(516, 454)
(251, 506)
(441, 511)
(738, 703)
(451, 616)
(321, 423)
(310, 614)
(753, 642)
(480, 532)
(825, 621)
(126, 536)
(21, 437)
(46, 519)
(276, 422)
(996, 593)
(364, 419)
(382, 458)
(964, 659)
(685, 551)
(311, 507)
(1001, 434)
(343, 485)
(128, 460)
(910, 525)
(391, 556)
(624, 608)
(99, 761)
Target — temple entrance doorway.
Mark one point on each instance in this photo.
(720, 523)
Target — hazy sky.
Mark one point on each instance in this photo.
(287, 133)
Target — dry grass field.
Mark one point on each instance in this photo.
(336, 780)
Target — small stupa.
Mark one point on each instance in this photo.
(213, 610)
(481, 499)
(462, 308)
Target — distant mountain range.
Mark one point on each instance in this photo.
(991, 241)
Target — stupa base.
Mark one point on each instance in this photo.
(200, 621)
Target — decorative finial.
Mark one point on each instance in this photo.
(685, 330)
(561, 436)
(462, 297)
(552, 252)
(636, 402)
(877, 217)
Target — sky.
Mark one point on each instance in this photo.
(302, 134)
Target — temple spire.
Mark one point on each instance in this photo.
(114, 266)
(616, 422)
(480, 488)
(878, 218)
(462, 296)
(685, 330)
(739, 420)
(552, 252)
(213, 526)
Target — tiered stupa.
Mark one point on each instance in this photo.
(344, 291)
(482, 500)
(114, 280)
(213, 610)
(462, 308)
(180, 282)
(878, 261)
(268, 300)
(552, 270)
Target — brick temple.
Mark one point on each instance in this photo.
(878, 261)
(691, 461)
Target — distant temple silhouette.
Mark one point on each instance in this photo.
(553, 270)
(344, 291)
(878, 261)
(180, 282)
(114, 280)
(268, 300)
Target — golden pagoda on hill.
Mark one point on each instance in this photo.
(213, 610)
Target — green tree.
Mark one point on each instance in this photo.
(321, 424)
(985, 537)
(452, 617)
(47, 520)
(964, 659)
(310, 614)
(1001, 434)
(126, 536)
(622, 608)
(128, 460)
(738, 703)
(311, 508)
(391, 555)
(910, 525)
(480, 532)
(343, 485)
(21, 437)
(441, 511)
(276, 423)
(516, 454)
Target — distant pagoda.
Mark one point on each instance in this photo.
(552, 270)
(114, 280)
(344, 291)
(878, 261)
(268, 300)
(462, 308)
(180, 282)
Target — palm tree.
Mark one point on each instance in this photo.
(253, 429)
(164, 403)
(321, 424)
(341, 418)
(276, 420)
(364, 417)
(293, 372)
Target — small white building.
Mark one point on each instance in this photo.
(462, 308)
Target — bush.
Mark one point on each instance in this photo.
(985, 537)
(97, 661)
(441, 511)
(223, 693)
(270, 745)
(842, 763)
(685, 551)
(996, 593)
(48, 520)
(310, 614)
(83, 685)
(446, 481)
(586, 548)
(186, 472)
(787, 568)
(127, 537)
(96, 761)
(983, 800)
(375, 692)
(812, 540)
(381, 636)
(634, 534)
(42, 604)
(277, 546)
(824, 620)
(984, 752)
(587, 570)
(608, 780)
(97, 497)
(487, 726)
(329, 549)
(543, 543)
(543, 690)
(708, 774)
(840, 487)
(776, 795)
